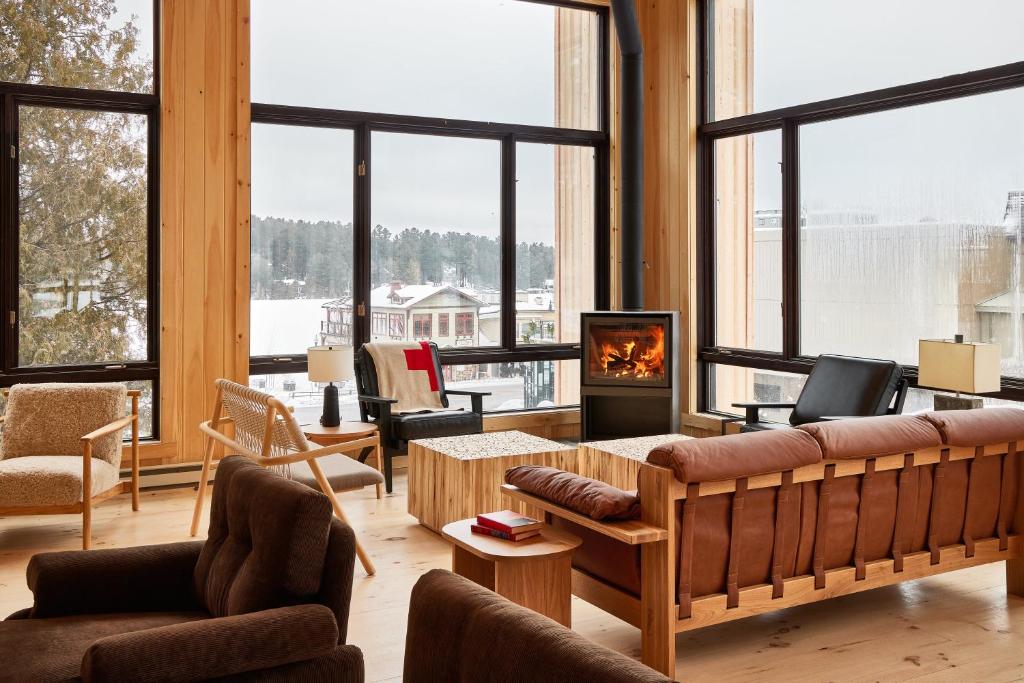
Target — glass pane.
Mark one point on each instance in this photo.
(295, 390)
(516, 386)
(730, 384)
(748, 241)
(555, 232)
(910, 231)
(301, 244)
(435, 245)
(82, 194)
(145, 410)
(485, 60)
(775, 53)
(102, 44)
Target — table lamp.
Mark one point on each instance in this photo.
(330, 364)
(956, 365)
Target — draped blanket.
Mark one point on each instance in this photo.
(406, 371)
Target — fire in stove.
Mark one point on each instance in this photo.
(637, 354)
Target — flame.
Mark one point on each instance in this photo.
(631, 360)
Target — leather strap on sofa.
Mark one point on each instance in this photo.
(860, 571)
(781, 503)
(686, 550)
(967, 539)
(936, 508)
(732, 583)
(1006, 502)
(821, 532)
(905, 502)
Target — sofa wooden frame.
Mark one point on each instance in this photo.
(660, 616)
(266, 458)
(84, 507)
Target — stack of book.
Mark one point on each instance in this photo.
(508, 525)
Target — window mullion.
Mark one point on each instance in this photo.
(790, 240)
(508, 242)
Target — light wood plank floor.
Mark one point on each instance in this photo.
(956, 627)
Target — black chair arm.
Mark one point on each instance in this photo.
(477, 398)
(376, 399)
(752, 409)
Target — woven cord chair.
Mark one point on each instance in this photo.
(60, 452)
(266, 431)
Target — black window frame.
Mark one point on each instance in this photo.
(12, 97)
(789, 120)
(509, 135)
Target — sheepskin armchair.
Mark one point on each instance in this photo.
(60, 450)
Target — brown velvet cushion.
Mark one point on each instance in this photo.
(210, 648)
(52, 649)
(867, 437)
(267, 541)
(979, 427)
(459, 631)
(737, 455)
(589, 497)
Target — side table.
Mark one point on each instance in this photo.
(535, 573)
(309, 421)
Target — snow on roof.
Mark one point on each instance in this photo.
(412, 296)
(1000, 303)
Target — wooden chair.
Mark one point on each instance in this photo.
(266, 431)
(61, 449)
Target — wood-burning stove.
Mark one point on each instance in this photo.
(629, 366)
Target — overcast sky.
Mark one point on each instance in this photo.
(494, 60)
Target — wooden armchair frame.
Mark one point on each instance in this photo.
(660, 616)
(84, 507)
(277, 450)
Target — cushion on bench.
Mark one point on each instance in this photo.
(978, 427)
(867, 437)
(737, 455)
(589, 497)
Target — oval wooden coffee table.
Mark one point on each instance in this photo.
(309, 421)
(535, 573)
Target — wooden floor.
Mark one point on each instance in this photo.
(956, 627)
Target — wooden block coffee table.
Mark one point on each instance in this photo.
(617, 461)
(456, 477)
(535, 573)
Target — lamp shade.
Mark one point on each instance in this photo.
(959, 366)
(330, 363)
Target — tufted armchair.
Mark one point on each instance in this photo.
(61, 449)
(265, 597)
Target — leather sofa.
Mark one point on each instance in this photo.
(265, 597)
(460, 631)
(738, 525)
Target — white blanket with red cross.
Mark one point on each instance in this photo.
(406, 371)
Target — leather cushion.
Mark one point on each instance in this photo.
(604, 558)
(979, 427)
(267, 541)
(843, 385)
(737, 455)
(428, 425)
(52, 649)
(589, 497)
(868, 437)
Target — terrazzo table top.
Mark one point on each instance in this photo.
(634, 448)
(491, 445)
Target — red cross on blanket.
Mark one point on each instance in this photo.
(422, 359)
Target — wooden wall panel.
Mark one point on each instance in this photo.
(204, 201)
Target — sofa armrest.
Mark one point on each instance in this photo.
(633, 532)
(210, 648)
(142, 579)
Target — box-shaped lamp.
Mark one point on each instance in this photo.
(959, 366)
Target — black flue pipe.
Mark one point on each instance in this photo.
(631, 152)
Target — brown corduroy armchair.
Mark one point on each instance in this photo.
(265, 597)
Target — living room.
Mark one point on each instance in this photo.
(720, 298)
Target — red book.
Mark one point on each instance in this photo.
(509, 522)
(487, 531)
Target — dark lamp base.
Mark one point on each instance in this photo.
(332, 415)
(947, 402)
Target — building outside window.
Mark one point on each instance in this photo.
(421, 325)
(862, 200)
(442, 324)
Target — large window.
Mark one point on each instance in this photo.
(864, 199)
(374, 219)
(78, 226)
